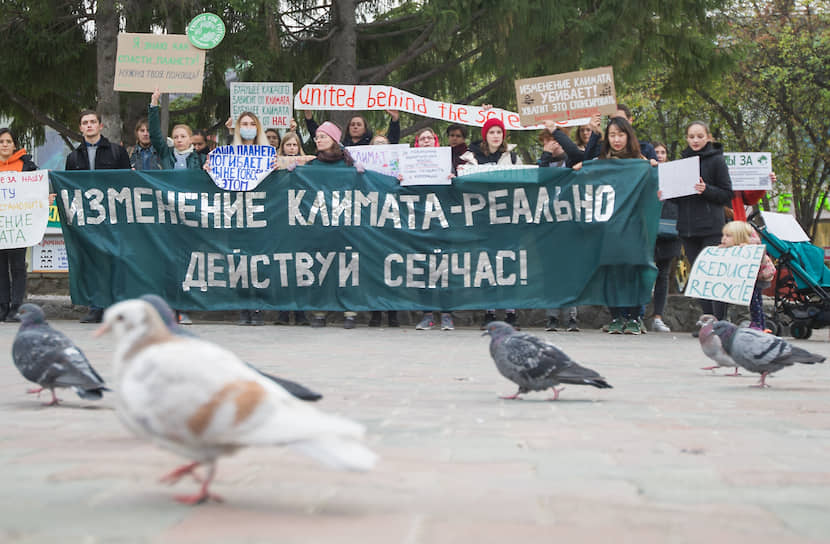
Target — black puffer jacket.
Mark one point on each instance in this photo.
(702, 215)
(393, 134)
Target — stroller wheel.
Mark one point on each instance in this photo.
(801, 330)
(773, 325)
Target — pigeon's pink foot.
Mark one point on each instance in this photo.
(34, 391)
(736, 373)
(55, 400)
(762, 383)
(709, 367)
(556, 393)
(513, 397)
(203, 495)
(177, 474)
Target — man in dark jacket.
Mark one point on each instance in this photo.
(96, 153)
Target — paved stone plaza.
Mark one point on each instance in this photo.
(671, 454)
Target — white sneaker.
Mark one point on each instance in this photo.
(658, 326)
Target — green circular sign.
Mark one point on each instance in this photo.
(206, 31)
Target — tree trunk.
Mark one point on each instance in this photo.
(106, 44)
(138, 19)
(343, 48)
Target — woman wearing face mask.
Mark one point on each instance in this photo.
(181, 156)
(12, 261)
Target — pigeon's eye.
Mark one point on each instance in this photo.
(120, 318)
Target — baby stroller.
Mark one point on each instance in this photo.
(801, 285)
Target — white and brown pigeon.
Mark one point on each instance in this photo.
(761, 352)
(50, 359)
(711, 345)
(201, 401)
(535, 365)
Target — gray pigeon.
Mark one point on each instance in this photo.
(760, 352)
(51, 360)
(711, 345)
(169, 319)
(533, 364)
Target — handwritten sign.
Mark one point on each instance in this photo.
(240, 167)
(678, 178)
(379, 158)
(426, 166)
(50, 255)
(270, 102)
(467, 169)
(566, 96)
(749, 171)
(24, 208)
(382, 97)
(167, 61)
(727, 274)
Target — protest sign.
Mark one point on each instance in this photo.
(426, 166)
(383, 97)
(784, 226)
(678, 178)
(327, 237)
(50, 255)
(508, 169)
(270, 102)
(240, 167)
(749, 171)
(379, 158)
(169, 62)
(24, 208)
(727, 274)
(561, 97)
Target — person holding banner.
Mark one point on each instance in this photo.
(593, 147)
(182, 155)
(457, 137)
(358, 130)
(96, 153)
(493, 149)
(700, 217)
(12, 261)
(666, 249)
(273, 137)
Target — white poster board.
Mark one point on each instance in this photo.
(50, 255)
(379, 158)
(678, 178)
(24, 208)
(240, 167)
(727, 274)
(426, 166)
(784, 226)
(749, 171)
(270, 102)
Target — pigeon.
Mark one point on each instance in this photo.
(533, 364)
(169, 319)
(48, 358)
(711, 345)
(761, 352)
(201, 402)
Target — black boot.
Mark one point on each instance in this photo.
(4, 311)
(12, 315)
(392, 316)
(95, 315)
(375, 320)
(244, 317)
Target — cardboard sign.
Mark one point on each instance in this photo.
(24, 208)
(383, 97)
(379, 158)
(727, 274)
(240, 167)
(50, 255)
(270, 102)
(678, 178)
(749, 171)
(167, 61)
(426, 166)
(562, 97)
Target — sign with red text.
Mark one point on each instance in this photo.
(24, 208)
(384, 97)
(270, 102)
(562, 97)
(50, 255)
(169, 62)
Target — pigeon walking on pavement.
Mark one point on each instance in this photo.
(533, 364)
(761, 352)
(200, 401)
(711, 345)
(169, 318)
(48, 358)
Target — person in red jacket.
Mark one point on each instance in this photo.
(12, 261)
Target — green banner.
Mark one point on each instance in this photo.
(329, 238)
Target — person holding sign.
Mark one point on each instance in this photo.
(700, 217)
(143, 156)
(493, 149)
(666, 248)
(181, 156)
(358, 130)
(290, 152)
(739, 233)
(12, 261)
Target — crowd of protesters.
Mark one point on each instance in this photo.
(699, 218)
